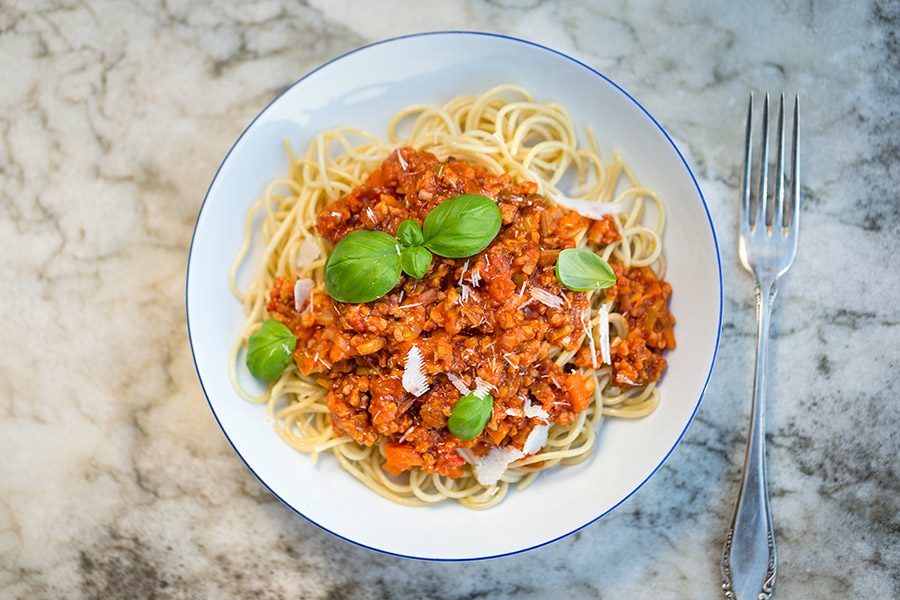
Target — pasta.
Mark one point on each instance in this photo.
(616, 352)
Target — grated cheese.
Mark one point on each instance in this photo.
(522, 291)
(463, 273)
(603, 315)
(545, 297)
(475, 278)
(586, 208)
(308, 252)
(303, 293)
(408, 431)
(403, 163)
(464, 297)
(371, 213)
(414, 380)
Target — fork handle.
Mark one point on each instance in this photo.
(748, 561)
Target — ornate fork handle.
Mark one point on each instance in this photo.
(748, 562)
(767, 245)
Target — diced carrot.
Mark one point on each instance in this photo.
(400, 457)
(395, 471)
(579, 397)
(500, 434)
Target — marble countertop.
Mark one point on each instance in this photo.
(116, 481)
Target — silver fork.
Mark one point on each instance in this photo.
(767, 246)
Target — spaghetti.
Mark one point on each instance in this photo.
(614, 339)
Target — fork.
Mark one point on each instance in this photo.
(767, 246)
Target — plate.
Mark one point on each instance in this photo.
(364, 89)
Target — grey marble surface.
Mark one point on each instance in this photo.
(115, 481)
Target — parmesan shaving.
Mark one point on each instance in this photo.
(603, 315)
(458, 383)
(533, 411)
(464, 297)
(536, 440)
(371, 213)
(308, 252)
(589, 332)
(414, 380)
(545, 297)
(482, 387)
(403, 163)
(491, 467)
(522, 291)
(303, 293)
(586, 208)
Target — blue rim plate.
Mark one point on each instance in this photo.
(363, 88)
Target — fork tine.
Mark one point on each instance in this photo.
(795, 172)
(762, 186)
(774, 216)
(745, 182)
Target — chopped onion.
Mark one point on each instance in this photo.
(303, 293)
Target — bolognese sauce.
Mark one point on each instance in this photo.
(469, 318)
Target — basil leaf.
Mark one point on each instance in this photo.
(409, 233)
(363, 266)
(469, 416)
(415, 261)
(582, 270)
(269, 350)
(462, 226)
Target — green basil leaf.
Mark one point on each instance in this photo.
(363, 266)
(582, 270)
(409, 233)
(269, 350)
(415, 261)
(462, 226)
(469, 416)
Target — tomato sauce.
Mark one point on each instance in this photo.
(497, 332)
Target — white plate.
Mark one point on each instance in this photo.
(363, 89)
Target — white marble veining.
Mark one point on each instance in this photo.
(115, 480)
